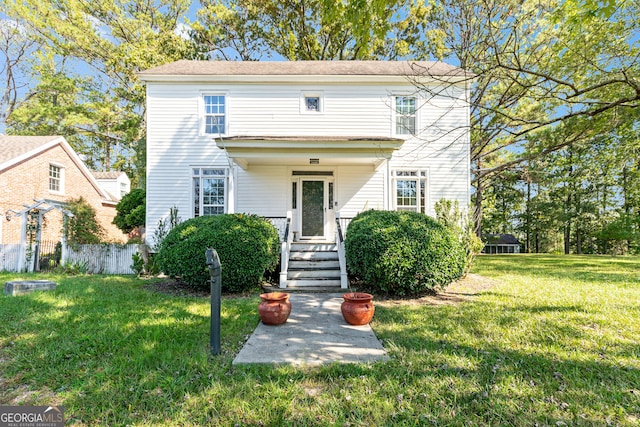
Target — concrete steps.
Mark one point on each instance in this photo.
(313, 265)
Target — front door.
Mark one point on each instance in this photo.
(313, 209)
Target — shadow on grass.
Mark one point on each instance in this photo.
(113, 353)
(116, 354)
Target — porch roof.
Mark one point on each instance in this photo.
(304, 150)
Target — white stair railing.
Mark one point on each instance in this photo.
(285, 249)
(344, 280)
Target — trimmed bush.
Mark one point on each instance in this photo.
(402, 253)
(246, 244)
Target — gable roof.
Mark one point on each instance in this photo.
(15, 149)
(212, 70)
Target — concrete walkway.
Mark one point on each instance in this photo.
(314, 334)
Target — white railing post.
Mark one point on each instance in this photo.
(285, 248)
(344, 279)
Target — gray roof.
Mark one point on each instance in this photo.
(15, 146)
(106, 175)
(305, 68)
(500, 239)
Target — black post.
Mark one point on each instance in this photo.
(213, 262)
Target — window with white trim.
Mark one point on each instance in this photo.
(405, 115)
(215, 114)
(56, 178)
(311, 102)
(209, 191)
(410, 190)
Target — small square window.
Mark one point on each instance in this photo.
(312, 103)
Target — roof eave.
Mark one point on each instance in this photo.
(282, 78)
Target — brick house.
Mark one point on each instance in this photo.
(47, 168)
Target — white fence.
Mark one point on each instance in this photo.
(103, 259)
(9, 256)
(98, 259)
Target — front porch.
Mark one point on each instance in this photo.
(310, 264)
(312, 178)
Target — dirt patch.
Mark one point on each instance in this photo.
(14, 393)
(456, 293)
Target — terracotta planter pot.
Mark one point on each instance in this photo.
(357, 308)
(274, 309)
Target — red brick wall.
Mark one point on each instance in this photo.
(29, 180)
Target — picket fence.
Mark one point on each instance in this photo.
(9, 256)
(95, 259)
(103, 259)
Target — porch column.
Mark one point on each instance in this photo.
(23, 242)
(388, 191)
(231, 202)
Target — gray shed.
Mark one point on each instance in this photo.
(501, 244)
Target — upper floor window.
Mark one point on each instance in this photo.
(411, 190)
(311, 102)
(405, 115)
(55, 178)
(215, 113)
(209, 191)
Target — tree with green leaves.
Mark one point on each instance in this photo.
(568, 67)
(83, 227)
(131, 211)
(112, 41)
(16, 46)
(315, 29)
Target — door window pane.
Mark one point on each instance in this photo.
(312, 208)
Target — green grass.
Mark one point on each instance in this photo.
(555, 342)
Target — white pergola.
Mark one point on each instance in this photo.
(43, 207)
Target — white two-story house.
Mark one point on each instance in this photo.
(308, 140)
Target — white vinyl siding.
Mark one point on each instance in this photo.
(359, 188)
(177, 143)
(264, 190)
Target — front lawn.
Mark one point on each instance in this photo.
(555, 341)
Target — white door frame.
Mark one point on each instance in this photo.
(328, 212)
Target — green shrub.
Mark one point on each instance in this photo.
(246, 244)
(402, 253)
(461, 224)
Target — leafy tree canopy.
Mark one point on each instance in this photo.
(131, 211)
